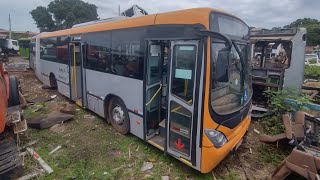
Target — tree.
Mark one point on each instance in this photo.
(43, 19)
(313, 28)
(62, 14)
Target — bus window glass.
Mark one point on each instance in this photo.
(153, 64)
(62, 49)
(180, 128)
(228, 97)
(98, 51)
(48, 49)
(126, 58)
(183, 67)
(229, 25)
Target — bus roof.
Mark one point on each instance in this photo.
(188, 16)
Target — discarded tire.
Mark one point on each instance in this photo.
(13, 92)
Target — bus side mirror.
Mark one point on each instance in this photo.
(222, 73)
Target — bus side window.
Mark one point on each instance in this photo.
(48, 49)
(126, 58)
(99, 51)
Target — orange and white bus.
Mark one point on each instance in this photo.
(178, 80)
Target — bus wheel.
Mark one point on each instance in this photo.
(13, 92)
(53, 81)
(118, 115)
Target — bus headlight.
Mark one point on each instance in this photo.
(217, 138)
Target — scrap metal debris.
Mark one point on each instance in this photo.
(305, 157)
(300, 161)
(48, 120)
(32, 175)
(293, 130)
(43, 164)
(55, 149)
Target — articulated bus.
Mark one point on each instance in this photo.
(180, 81)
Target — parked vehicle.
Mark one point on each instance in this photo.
(312, 59)
(9, 46)
(178, 80)
(10, 123)
(317, 52)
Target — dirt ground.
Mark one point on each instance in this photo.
(92, 149)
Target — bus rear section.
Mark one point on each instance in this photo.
(181, 84)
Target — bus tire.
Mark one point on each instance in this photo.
(53, 81)
(13, 92)
(118, 115)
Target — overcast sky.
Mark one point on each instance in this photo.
(258, 13)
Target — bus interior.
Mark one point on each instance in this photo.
(157, 91)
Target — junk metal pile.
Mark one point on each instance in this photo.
(302, 131)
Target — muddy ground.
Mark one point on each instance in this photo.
(92, 149)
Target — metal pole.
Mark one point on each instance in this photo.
(10, 34)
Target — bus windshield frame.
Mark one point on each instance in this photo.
(239, 81)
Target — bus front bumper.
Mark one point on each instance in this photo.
(212, 156)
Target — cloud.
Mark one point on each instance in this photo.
(262, 13)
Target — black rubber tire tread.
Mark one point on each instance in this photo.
(14, 99)
(53, 81)
(124, 128)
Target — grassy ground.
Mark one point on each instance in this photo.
(91, 149)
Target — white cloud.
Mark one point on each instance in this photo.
(258, 13)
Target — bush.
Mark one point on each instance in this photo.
(272, 124)
(312, 71)
(277, 100)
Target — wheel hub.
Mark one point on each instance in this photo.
(118, 114)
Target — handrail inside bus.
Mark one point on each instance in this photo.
(155, 94)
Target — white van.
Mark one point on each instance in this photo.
(312, 59)
(9, 46)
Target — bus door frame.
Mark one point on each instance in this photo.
(148, 101)
(72, 52)
(194, 108)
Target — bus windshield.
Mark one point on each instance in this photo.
(232, 91)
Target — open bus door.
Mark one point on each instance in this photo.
(153, 88)
(171, 95)
(77, 73)
(182, 98)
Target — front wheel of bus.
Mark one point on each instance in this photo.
(118, 115)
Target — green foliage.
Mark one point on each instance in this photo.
(312, 71)
(272, 124)
(313, 28)
(61, 14)
(43, 19)
(276, 100)
(269, 154)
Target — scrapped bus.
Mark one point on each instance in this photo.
(278, 59)
(178, 80)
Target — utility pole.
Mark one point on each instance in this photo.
(119, 10)
(10, 33)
